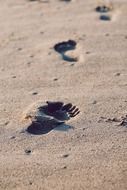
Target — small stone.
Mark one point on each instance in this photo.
(117, 74)
(41, 32)
(112, 120)
(6, 123)
(28, 151)
(99, 121)
(19, 49)
(14, 77)
(31, 56)
(28, 63)
(88, 52)
(94, 102)
(55, 79)
(65, 155)
(65, 167)
(12, 137)
(34, 93)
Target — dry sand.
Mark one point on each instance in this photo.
(93, 154)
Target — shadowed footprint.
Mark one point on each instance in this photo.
(45, 118)
(64, 47)
(105, 17)
(103, 9)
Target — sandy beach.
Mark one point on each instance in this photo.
(89, 152)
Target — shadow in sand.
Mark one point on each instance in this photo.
(63, 127)
(37, 129)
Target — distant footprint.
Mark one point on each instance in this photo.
(66, 49)
(104, 10)
(105, 17)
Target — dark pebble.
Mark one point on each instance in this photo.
(41, 32)
(29, 63)
(13, 77)
(28, 151)
(55, 79)
(6, 123)
(94, 102)
(34, 93)
(13, 137)
(65, 155)
(31, 56)
(117, 74)
(88, 52)
(19, 49)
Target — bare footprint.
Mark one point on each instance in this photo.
(105, 17)
(104, 10)
(109, 11)
(41, 117)
(64, 47)
(67, 50)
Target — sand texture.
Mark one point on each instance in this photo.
(89, 152)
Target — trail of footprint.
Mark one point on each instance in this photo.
(68, 50)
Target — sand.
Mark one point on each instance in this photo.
(90, 152)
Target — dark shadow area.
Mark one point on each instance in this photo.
(37, 129)
(68, 58)
(52, 116)
(103, 9)
(65, 46)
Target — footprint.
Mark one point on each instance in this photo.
(44, 118)
(104, 9)
(105, 17)
(66, 49)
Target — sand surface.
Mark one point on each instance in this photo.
(91, 153)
